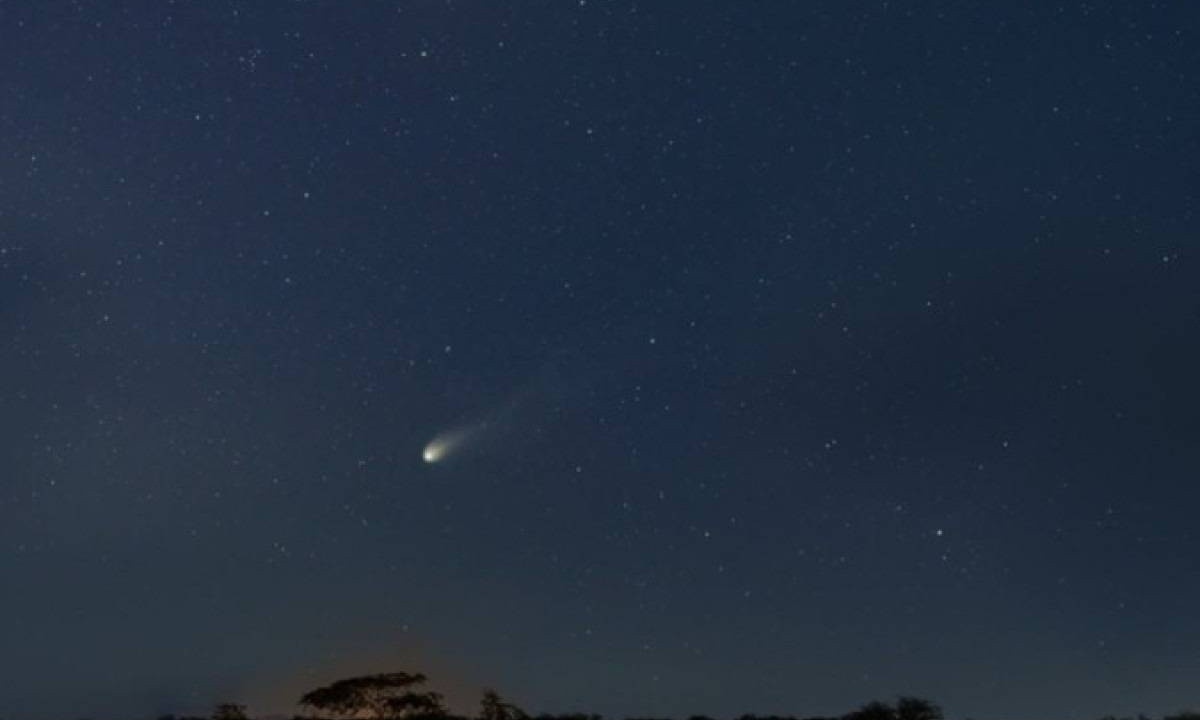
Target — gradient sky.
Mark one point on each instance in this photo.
(797, 354)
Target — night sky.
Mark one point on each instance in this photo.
(773, 356)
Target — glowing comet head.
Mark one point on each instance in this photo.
(444, 444)
(433, 452)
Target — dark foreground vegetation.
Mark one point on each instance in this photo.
(401, 696)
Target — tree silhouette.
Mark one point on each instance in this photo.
(874, 710)
(229, 711)
(387, 696)
(493, 707)
(913, 708)
(907, 708)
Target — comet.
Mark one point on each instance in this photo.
(499, 427)
(446, 444)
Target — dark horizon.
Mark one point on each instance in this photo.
(403, 695)
(649, 357)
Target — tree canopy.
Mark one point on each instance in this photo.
(493, 707)
(385, 696)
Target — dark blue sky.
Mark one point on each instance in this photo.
(797, 353)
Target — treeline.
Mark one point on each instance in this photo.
(401, 696)
(1185, 715)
